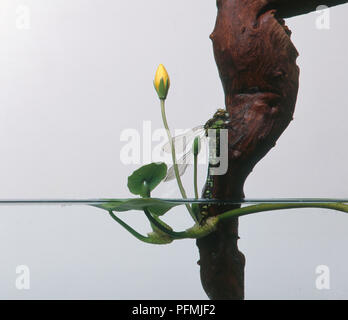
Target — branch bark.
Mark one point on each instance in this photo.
(257, 65)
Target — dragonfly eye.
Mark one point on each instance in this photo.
(219, 123)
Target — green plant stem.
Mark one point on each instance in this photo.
(199, 231)
(175, 165)
(157, 222)
(272, 206)
(195, 182)
(132, 231)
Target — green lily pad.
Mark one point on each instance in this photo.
(155, 206)
(109, 206)
(147, 178)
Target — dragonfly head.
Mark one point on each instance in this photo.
(218, 121)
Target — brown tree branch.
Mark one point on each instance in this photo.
(257, 65)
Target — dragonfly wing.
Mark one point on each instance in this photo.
(182, 163)
(182, 140)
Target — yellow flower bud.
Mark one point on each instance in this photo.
(162, 82)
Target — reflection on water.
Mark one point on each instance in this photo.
(6, 202)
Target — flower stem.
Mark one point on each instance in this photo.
(175, 165)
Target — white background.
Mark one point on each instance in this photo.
(82, 74)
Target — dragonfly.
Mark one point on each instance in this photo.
(183, 142)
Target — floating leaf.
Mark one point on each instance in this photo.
(155, 206)
(146, 178)
(109, 206)
(160, 209)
